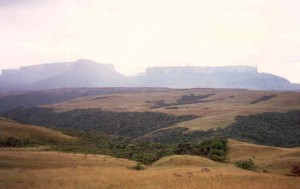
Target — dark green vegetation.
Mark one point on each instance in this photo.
(121, 134)
(273, 129)
(263, 98)
(129, 124)
(247, 164)
(120, 147)
(214, 149)
(184, 99)
(144, 136)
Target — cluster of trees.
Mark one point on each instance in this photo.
(145, 152)
(214, 149)
(270, 128)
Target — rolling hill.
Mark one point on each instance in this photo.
(266, 158)
(15, 134)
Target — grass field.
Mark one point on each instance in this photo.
(29, 168)
(218, 110)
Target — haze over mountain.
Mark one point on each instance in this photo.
(87, 73)
(81, 73)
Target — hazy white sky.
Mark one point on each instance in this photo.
(135, 34)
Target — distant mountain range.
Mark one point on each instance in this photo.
(87, 73)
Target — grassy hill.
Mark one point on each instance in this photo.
(15, 134)
(21, 168)
(271, 159)
(186, 161)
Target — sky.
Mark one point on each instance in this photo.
(136, 34)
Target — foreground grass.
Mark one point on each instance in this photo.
(35, 169)
(106, 177)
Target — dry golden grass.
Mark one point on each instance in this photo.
(33, 158)
(69, 171)
(185, 161)
(219, 112)
(272, 159)
(9, 128)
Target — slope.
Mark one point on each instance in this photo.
(15, 134)
(271, 159)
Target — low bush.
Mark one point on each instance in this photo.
(247, 164)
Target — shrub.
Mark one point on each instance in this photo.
(247, 164)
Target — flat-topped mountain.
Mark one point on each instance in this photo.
(81, 73)
(243, 77)
(87, 73)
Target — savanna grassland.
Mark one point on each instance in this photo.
(218, 109)
(165, 138)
